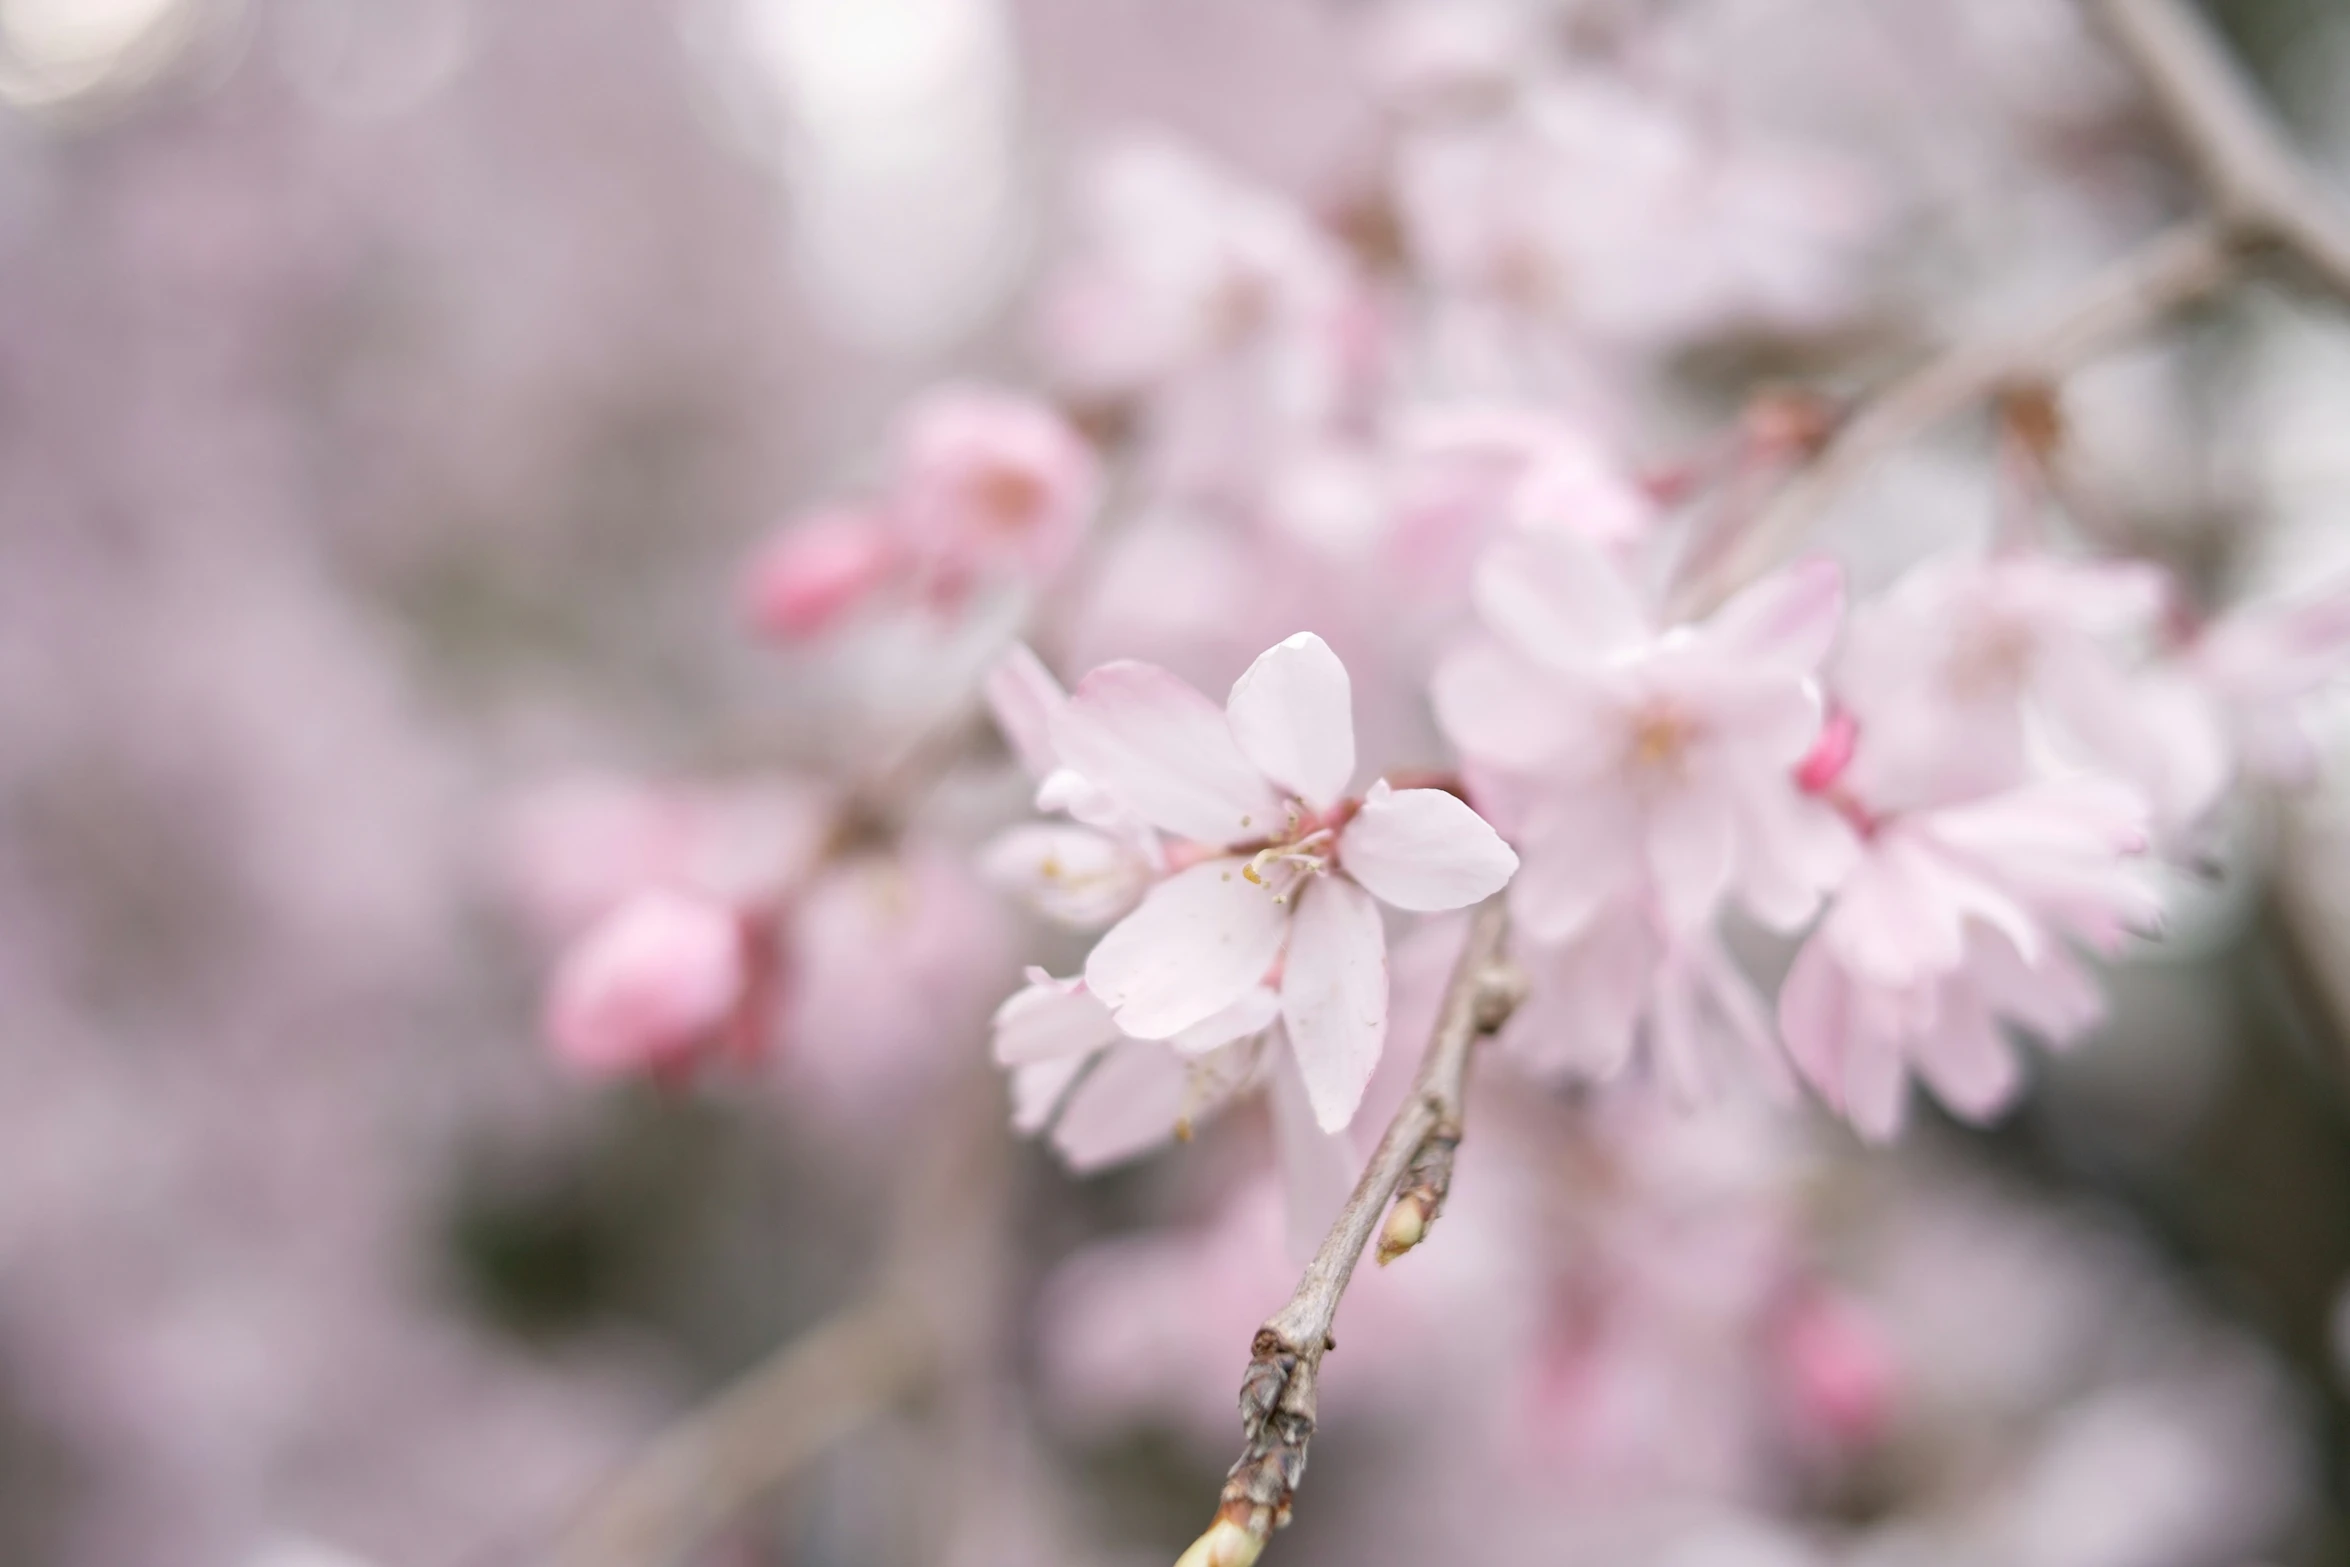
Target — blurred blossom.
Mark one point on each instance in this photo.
(394, 389)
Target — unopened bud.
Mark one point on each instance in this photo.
(1406, 1227)
(1226, 1544)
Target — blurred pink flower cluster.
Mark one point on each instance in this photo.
(1381, 463)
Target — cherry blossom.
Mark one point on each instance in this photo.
(1629, 762)
(818, 570)
(1279, 866)
(986, 486)
(1600, 205)
(650, 986)
(990, 482)
(1956, 921)
(2263, 665)
(1968, 674)
(1217, 309)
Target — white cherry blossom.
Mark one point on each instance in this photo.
(1280, 869)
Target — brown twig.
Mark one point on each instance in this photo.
(2254, 182)
(2257, 196)
(2170, 271)
(707, 1469)
(1414, 1158)
(929, 1311)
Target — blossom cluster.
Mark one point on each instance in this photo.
(1374, 447)
(1403, 471)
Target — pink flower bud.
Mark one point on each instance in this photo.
(1837, 1368)
(1830, 754)
(989, 480)
(650, 985)
(817, 569)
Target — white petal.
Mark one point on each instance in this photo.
(1876, 1090)
(1964, 1058)
(1586, 999)
(1815, 1019)
(1024, 696)
(1556, 599)
(1317, 1167)
(1692, 849)
(1166, 753)
(1253, 1013)
(1500, 710)
(1334, 995)
(1788, 621)
(1037, 1091)
(1199, 942)
(1424, 850)
(1049, 1019)
(1582, 852)
(1127, 1105)
(1293, 715)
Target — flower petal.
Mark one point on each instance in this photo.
(1317, 1167)
(1581, 852)
(1964, 1058)
(1787, 621)
(1334, 996)
(1424, 850)
(1253, 1013)
(1815, 1019)
(1024, 696)
(1127, 1105)
(1586, 999)
(1293, 715)
(1557, 599)
(1506, 712)
(1037, 1091)
(1692, 850)
(1165, 752)
(1200, 940)
(1051, 1019)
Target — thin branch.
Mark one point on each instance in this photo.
(1413, 1167)
(929, 1310)
(2258, 194)
(2255, 182)
(2171, 271)
(718, 1461)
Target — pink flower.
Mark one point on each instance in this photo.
(818, 569)
(1954, 923)
(1281, 867)
(1633, 764)
(1463, 470)
(650, 986)
(2262, 664)
(1217, 312)
(991, 483)
(1838, 1370)
(1966, 669)
(1707, 1027)
(1602, 206)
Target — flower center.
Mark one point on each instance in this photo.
(1010, 498)
(1301, 850)
(1994, 661)
(1661, 737)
